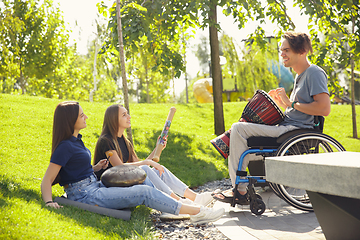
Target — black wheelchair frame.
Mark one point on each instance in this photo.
(296, 142)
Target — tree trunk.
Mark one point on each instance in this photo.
(122, 63)
(353, 87)
(91, 97)
(353, 100)
(216, 72)
(22, 83)
(173, 83)
(186, 78)
(186, 88)
(147, 85)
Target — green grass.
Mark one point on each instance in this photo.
(25, 146)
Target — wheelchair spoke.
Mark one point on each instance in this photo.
(303, 144)
(299, 195)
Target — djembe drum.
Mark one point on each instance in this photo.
(260, 109)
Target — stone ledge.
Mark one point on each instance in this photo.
(330, 173)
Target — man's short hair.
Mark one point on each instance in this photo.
(299, 42)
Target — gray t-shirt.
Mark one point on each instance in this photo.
(311, 82)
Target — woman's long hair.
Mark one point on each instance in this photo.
(65, 116)
(110, 129)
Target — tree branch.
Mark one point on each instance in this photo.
(287, 16)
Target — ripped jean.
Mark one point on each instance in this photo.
(93, 192)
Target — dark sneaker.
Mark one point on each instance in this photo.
(242, 199)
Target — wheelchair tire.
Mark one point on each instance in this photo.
(274, 188)
(304, 143)
(257, 206)
(258, 196)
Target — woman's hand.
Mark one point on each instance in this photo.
(156, 165)
(46, 191)
(53, 205)
(165, 141)
(102, 164)
(163, 145)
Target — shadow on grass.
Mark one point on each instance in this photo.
(10, 188)
(351, 137)
(179, 159)
(138, 226)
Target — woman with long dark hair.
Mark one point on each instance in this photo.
(72, 161)
(112, 140)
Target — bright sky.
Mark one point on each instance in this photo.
(80, 16)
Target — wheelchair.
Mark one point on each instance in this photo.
(296, 142)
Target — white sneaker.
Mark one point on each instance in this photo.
(204, 199)
(186, 201)
(207, 215)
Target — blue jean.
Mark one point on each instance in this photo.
(167, 182)
(93, 192)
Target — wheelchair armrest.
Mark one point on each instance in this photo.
(262, 142)
(319, 123)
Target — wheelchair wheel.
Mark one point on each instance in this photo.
(301, 144)
(274, 188)
(258, 196)
(257, 206)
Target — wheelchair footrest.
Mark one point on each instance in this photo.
(251, 180)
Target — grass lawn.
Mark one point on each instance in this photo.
(25, 147)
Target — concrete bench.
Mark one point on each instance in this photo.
(332, 181)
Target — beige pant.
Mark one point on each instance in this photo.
(240, 132)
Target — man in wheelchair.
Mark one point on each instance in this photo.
(309, 98)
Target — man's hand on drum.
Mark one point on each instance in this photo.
(280, 97)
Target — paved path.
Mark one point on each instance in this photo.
(279, 221)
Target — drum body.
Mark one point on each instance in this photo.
(260, 109)
(222, 143)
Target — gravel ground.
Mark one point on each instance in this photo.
(184, 229)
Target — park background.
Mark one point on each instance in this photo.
(26, 124)
(25, 148)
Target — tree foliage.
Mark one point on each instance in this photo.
(32, 40)
(35, 56)
(249, 68)
(201, 51)
(334, 42)
(329, 18)
(161, 23)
